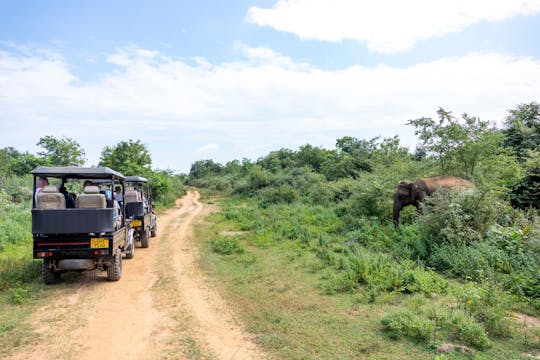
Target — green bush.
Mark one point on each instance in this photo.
(227, 245)
(17, 272)
(405, 323)
(487, 303)
(166, 187)
(379, 271)
(427, 322)
(465, 328)
(15, 221)
(275, 195)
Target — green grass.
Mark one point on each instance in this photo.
(277, 288)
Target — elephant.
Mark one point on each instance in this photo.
(413, 192)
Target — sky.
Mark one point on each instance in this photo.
(228, 80)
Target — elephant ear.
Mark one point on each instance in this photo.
(404, 188)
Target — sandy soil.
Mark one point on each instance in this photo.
(162, 297)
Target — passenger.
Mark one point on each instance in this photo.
(42, 182)
(118, 194)
(87, 183)
(70, 201)
(117, 215)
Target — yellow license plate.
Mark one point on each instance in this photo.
(99, 243)
(136, 223)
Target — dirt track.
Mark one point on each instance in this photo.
(163, 307)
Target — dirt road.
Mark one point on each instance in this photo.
(163, 307)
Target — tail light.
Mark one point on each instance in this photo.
(44, 254)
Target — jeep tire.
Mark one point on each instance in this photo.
(145, 238)
(114, 271)
(49, 276)
(130, 252)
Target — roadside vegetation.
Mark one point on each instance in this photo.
(307, 235)
(20, 283)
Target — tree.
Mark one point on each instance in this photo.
(522, 131)
(312, 156)
(14, 162)
(202, 168)
(527, 192)
(61, 152)
(128, 157)
(458, 145)
(278, 160)
(522, 135)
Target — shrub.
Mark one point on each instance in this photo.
(280, 194)
(15, 221)
(426, 322)
(457, 218)
(465, 328)
(227, 245)
(487, 303)
(379, 271)
(405, 323)
(17, 272)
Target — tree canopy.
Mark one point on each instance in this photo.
(128, 157)
(61, 152)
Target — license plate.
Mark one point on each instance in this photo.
(136, 223)
(99, 243)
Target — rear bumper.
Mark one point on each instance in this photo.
(70, 247)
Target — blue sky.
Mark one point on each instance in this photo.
(233, 79)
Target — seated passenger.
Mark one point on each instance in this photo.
(42, 182)
(117, 215)
(70, 201)
(118, 194)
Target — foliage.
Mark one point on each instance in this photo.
(404, 323)
(127, 157)
(13, 162)
(522, 132)
(15, 222)
(61, 152)
(461, 147)
(227, 245)
(166, 187)
(526, 193)
(429, 323)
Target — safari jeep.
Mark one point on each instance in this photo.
(84, 232)
(139, 208)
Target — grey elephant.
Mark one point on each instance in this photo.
(413, 192)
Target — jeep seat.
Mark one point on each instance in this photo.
(50, 198)
(132, 195)
(91, 198)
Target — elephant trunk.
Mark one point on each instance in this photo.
(397, 210)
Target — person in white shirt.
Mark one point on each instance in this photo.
(42, 182)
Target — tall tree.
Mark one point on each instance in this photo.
(128, 157)
(459, 145)
(61, 152)
(523, 129)
(13, 162)
(202, 168)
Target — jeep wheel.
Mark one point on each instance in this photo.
(114, 271)
(49, 276)
(130, 252)
(145, 238)
(153, 232)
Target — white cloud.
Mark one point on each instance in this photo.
(386, 26)
(208, 148)
(245, 108)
